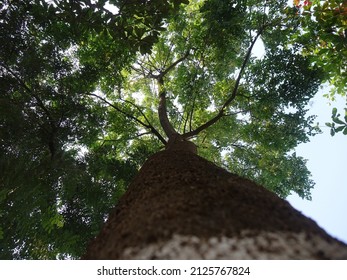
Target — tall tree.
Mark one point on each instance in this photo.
(90, 90)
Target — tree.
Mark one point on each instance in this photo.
(55, 52)
(89, 92)
(322, 37)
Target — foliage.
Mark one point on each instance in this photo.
(81, 84)
(323, 38)
(338, 124)
(271, 99)
(59, 174)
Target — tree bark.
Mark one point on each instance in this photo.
(181, 206)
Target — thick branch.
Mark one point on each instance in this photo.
(245, 61)
(162, 108)
(130, 116)
(204, 126)
(221, 112)
(162, 112)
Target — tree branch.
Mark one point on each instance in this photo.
(162, 108)
(173, 65)
(130, 116)
(52, 123)
(30, 91)
(150, 126)
(162, 112)
(245, 61)
(204, 126)
(192, 113)
(221, 112)
(169, 68)
(123, 138)
(185, 120)
(139, 109)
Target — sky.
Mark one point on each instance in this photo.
(327, 158)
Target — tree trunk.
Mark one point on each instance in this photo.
(181, 206)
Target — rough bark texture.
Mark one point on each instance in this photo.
(181, 206)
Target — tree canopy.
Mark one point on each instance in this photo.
(323, 39)
(89, 89)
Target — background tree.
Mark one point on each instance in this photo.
(89, 91)
(55, 52)
(322, 38)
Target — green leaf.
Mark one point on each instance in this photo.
(340, 128)
(345, 131)
(139, 31)
(338, 121)
(145, 49)
(334, 112)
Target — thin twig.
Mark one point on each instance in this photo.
(130, 116)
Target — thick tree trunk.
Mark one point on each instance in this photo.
(181, 206)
